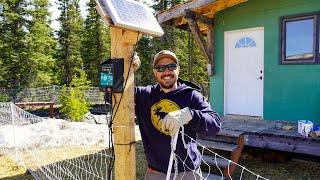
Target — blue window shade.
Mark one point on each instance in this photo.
(245, 42)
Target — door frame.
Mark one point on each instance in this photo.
(226, 64)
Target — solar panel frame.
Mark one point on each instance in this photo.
(102, 10)
(148, 23)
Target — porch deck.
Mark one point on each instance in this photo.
(270, 134)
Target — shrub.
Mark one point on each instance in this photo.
(74, 104)
(4, 97)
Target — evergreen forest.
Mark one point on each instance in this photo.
(33, 54)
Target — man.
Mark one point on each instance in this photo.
(162, 109)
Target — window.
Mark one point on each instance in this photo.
(245, 42)
(300, 39)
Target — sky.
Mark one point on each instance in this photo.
(55, 12)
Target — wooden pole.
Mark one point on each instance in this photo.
(122, 43)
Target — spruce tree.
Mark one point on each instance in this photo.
(147, 47)
(13, 56)
(192, 62)
(96, 43)
(1, 42)
(145, 51)
(69, 37)
(41, 45)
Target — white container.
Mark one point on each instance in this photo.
(304, 127)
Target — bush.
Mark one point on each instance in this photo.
(74, 104)
(4, 97)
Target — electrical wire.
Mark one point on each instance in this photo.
(111, 145)
(127, 77)
(110, 142)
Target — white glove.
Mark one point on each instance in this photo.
(174, 120)
(136, 61)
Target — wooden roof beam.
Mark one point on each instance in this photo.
(189, 14)
(200, 40)
(179, 10)
(206, 45)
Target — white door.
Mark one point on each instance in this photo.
(244, 72)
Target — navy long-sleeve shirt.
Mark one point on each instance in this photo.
(152, 105)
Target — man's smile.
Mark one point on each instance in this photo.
(167, 77)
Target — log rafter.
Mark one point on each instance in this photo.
(206, 45)
(198, 17)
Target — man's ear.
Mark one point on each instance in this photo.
(154, 73)
(178, 68)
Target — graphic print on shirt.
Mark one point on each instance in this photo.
(159, 110)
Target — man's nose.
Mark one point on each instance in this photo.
(167, 71)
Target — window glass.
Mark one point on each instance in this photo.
(299, 39)
(242, 41)
(245, 42)
(238, 45)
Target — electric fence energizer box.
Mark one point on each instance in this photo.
(111, 75)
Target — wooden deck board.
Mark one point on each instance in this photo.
(271, 135)
(249, 126)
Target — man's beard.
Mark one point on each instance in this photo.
(166, 86)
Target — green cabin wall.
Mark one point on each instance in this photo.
(291, 92)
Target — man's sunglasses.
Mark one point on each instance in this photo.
(162, 68)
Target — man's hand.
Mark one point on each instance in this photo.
(136, 61)
(174, 120)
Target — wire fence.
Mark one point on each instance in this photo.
(52, 94)
(57, 150)
(211, 167)
(47, 94)
(54, 149)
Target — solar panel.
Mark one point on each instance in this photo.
(131, 15)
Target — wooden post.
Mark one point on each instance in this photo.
(199, 39)
(210, 45)
(51, 109)
(122, 42)
(235, 156)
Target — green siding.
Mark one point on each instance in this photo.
(291, 92)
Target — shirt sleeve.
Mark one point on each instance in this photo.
(204, 119)
(137, 99)
(141, 93)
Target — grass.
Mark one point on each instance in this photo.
(10, 170)
(141, 162)
(65, 158)
(289, 170)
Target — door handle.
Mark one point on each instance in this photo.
(260, 78)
